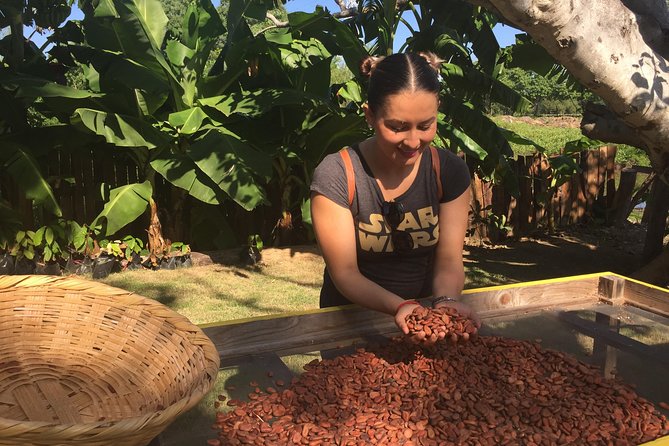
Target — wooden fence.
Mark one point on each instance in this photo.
(77, 179)
(590, 194)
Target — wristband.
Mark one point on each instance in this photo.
(406, 302)
(442, 299)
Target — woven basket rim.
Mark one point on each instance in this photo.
(168, 414)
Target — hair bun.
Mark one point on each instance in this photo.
(432, 59)
(368, 65)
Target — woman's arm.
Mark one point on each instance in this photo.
(335, 232)
(449, 271)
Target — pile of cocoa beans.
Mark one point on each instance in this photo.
(489, 391)
(432, 324)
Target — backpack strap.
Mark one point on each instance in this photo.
(436, 166)
(350, 175)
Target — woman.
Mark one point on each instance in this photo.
(400, 234)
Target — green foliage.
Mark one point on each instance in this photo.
(50, 240)
(237, 111)
(547, 95)
(18, 161)
(124, 205)
(179, 248)
(553, 139)
(10, 224)
(24, 245)
(125, 248)
(82, 238)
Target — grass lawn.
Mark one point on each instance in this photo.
(552, 134)
(287, 280)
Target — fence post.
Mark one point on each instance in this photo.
(657, 209)
(624, 195)
(542, 202)
(577, 197)
(525, 198)
(610, 177)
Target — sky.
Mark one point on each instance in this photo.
(505, 34)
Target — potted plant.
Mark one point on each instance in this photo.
(82, 248)
(48, 240)
(23, 252)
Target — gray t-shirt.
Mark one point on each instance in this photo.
(408, 275)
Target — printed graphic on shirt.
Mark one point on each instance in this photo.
(422, 225)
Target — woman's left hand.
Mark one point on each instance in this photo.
(463, 309)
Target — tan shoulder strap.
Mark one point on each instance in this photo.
(436, 166)
(350, 175)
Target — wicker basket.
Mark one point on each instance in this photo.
(87, 364)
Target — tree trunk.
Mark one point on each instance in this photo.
(657, 220)
(156, 244)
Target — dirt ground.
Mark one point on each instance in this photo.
(549, 121)
(566, 253)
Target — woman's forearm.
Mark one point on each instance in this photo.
(449, 281)
(362, 291)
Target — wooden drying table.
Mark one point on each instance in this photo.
(616, 322)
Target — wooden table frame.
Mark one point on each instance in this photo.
(310, 330)
(267, 338)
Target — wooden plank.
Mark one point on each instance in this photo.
(614, 339)
(542, 202)
(611, 175)
(647, 297)
(235, 339)
(500, 206)
(576, 196)
(611, 289)
(65, 188)
(565, 203)
(591, 176)
(623, 310)
(624, 195)
(477, 205)
(604, 354)
(525, 199)
(602, 160)
(99, 161)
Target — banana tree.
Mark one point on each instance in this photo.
(24, 135)
(305, 121)
(151, 97)
(462, 36)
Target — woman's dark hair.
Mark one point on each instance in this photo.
(400, 72)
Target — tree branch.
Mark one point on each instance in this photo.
(599, 122)
(277, 22)
(612, 52)
(351, 11)
(487, 4)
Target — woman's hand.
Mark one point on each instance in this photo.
(404, 310)
(463, 309)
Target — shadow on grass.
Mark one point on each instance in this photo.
(170, 296)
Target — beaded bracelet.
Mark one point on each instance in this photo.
(442, 299)
(406, 302)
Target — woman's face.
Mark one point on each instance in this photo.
(405, 125)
